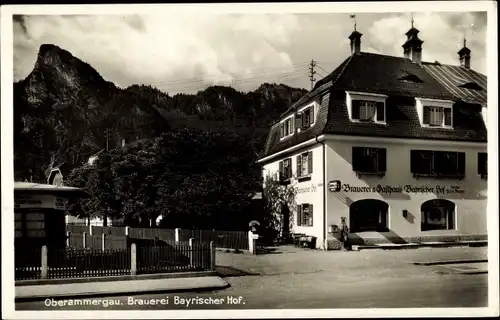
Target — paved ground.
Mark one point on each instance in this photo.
(298, 278)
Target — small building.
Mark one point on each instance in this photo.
(39, 211)
(396, 145)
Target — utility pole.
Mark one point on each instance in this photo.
(312, 72)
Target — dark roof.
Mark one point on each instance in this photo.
(454, 77)
(400, 79)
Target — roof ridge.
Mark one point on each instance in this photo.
(343, 69)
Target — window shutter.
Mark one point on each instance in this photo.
(380, 111)
(312, 115)
(414, 161)
(382, 160)
(299, 215)
(281, 170)
(357, 159)
(299, 165)
(310, 162)
(482, 163)
(310, 215)
(289, 169)
(447, 116)
(355, 109)
(427, 115)
(306, 119)
(298, 121)
(282, 130)
(461, 163)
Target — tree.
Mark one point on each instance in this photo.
(279, 202)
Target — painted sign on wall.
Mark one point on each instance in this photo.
(39, 201)
(310, 188)
(336, 186)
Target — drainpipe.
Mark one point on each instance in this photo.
(324, 194)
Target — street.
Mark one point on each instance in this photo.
(297, 279)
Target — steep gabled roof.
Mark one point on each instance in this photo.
(400, 79)
(460, 82)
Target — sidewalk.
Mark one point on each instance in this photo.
(89, 289)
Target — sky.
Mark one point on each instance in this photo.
(188, 52)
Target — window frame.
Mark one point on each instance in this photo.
(424, 104)
(301, 222)
(285, 179)
(482, 169)
(308, 155)
(380, 159)
(364, 98)
(450, 219)
(435, 169)
(356, 220)
(291, 127)
(313, 108)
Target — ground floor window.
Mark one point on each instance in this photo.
(368, 215)
(305, 214)
(438, 214)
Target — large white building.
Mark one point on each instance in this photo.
(394, 144)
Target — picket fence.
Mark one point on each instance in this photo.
(164, 257)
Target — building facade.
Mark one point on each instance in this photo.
(395, 145)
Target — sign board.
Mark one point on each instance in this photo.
(39, 201)
(337, 186)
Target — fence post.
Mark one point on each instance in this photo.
(191, 253)
(133, 261)
(103, 241)
(68, 236)
(177, 234)
(85, 240)
(90, 229)
(252, 243)
(45, 267)
(212, 255)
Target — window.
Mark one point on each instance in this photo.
(368, 215)
(286, 128)
(368, 111)
(285, 170)
(305, 215)
(482, 164)
(438, 214)
(304, 165)
(35, 224)
(442, 164)
(471, 86)
(437, 116)
(305, 118)
(369, 160)
(18, 224)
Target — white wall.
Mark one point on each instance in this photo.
(470, 206)
(310, 191)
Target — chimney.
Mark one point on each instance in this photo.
(355, 38)
(464, 56)
(413, 45)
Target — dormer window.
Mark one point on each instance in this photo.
(305, 117)
(366, 107)
(435, 113)
(286, 127)
(471, 86)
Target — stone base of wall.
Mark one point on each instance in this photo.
(334, 244)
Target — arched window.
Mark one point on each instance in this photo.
(369, 215)
(438, 214)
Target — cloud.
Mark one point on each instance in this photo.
(186, 52)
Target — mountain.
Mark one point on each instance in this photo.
(64, 111)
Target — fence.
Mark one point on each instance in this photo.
(139, 259)
(222, 239)
(121, 237)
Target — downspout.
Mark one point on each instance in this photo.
(324, 193)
